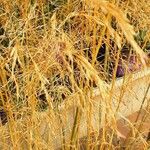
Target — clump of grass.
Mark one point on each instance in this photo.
(48, 56)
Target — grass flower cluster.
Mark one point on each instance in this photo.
(53, 54)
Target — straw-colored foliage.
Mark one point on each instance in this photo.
(46, 71)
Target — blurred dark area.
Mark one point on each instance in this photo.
(3, 117)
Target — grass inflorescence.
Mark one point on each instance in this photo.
(53, 55)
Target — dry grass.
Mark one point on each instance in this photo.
(44, 66)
